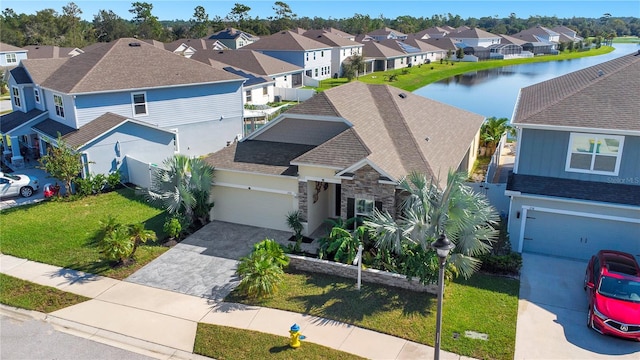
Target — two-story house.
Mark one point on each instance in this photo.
(340, 154)
(575, 187)
(539, 40)
(10, 55)
(386, 33)
(233, 38)
(474, 37)
(342, 48)
(311, 55)
(119, 99)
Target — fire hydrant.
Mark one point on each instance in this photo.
(295, 336)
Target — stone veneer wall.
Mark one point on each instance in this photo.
(351, 271)
(303, 201)
(365, 185)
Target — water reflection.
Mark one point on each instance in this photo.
(494, 92)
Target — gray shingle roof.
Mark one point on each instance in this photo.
(249, 60)
(474, 33)
(9, 48)
(374, 49)
(129, 64)
(40, 69)
(389, 127)
(20, 76)
(231, 33)
(93, 129)
(575, 189)
(48, 51)
(330, 39)
(422, 45)
(12, 120)
(602, 96)
(53, 128)
(263, 157)
(286, 40)
(385, 31)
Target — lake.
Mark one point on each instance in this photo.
(494, 92)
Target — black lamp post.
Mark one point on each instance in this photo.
(442, 246)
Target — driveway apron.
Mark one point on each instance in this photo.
(204, 263)
(552, 315)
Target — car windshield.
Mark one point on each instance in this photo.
(623, 289)
(12, 177)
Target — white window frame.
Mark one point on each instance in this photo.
(11, 58)
(365, 202)
(248, 96)
(593, 151)
(15, 98)
(36, 95)
(59, 106)
(134, 104)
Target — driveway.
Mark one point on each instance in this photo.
(204, 263)
(552, 315)
(9, 202)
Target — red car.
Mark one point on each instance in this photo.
(612, 282)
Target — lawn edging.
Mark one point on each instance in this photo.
(303, 263)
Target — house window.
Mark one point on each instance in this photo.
(364, 207)
(307, 55)
(11, 58)
(247, 96)
(314, 55)
(139, 102)
(57, 101)
(316, 72)
(322, 53)
(594, 153)
(36, 95)
(265, 91)
(16, 96)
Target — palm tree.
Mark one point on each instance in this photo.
(183, 187)
(492, 130)
(139, 235)
(463, 215)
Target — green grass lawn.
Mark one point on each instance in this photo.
(627, 40)
(63, 233)
(419, 76)
(225, 343)
(484, 304)
(27, 295)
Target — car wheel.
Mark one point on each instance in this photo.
(590, 318)
(26, 191)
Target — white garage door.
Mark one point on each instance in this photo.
(251, 207)
(577, 237)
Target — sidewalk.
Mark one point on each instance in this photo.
(162, 324)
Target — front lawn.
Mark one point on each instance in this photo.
(225, 343)
(63, 233)
(484, 304)
(27, 295)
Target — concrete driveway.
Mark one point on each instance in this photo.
(552, 315)
(204, 263)
(10, 202)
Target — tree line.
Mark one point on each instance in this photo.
(67, 29)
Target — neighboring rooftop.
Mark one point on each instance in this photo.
(286, 40)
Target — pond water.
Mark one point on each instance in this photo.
(494, 92)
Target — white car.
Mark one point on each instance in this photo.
(15, 184)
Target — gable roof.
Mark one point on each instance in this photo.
(330, 39)
(602, 96)
(506, 39)
(128, 64)
(249, 60)
(286, 40)
(10, 48)
(16, 119)
(444, 43)
(375, 49)
(231, 33)
(540, 33)
(40, 69)
(20, 76)
(196, 44)
(422, 45)
(331, 30)
(50, 52)
(474, 33)
(385, 32)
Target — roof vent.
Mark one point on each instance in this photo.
(402, 95)
(600, 72)
(427, 138)
(134, 44)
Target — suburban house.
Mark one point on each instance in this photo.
(51, 52)
(430, 52)
(234, 38)
(10, 56)
(575, 187)
(342, 48)
(474, 38)
(340, 154)
(379, 57)
(567, 34)
(311, 55)
(435, 32)
(386, 33)
(539, 40)
(122, 99)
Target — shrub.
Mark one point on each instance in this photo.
(84, 186)
(261, 272)
(113, 180)
(173, 227)
(509, 264)
(116, 245)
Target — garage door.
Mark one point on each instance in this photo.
(251, 207)
(576, 236)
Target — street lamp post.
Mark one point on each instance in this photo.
(442, 246)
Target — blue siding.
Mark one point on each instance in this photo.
(67, 100)
(168, 107)
(19, 56)
(544, 153)
(141, 142)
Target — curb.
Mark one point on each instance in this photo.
(106, 337)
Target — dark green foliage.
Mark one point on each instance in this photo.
(113, 180)
(173, 227)
(118, 242)
(262, 270)
(509, 264)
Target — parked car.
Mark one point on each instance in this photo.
(612, 282)
(15, 184)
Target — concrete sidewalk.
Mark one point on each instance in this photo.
(162, 323)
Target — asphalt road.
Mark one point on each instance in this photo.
(34, 340)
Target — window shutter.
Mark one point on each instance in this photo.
(351, 207)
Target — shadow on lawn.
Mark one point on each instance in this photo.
(342, 301)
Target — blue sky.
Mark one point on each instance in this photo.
(337, 9)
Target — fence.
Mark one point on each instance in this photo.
(294, 94)
(140, 173)
(495, 195)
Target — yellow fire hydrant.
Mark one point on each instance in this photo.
(295, 336)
